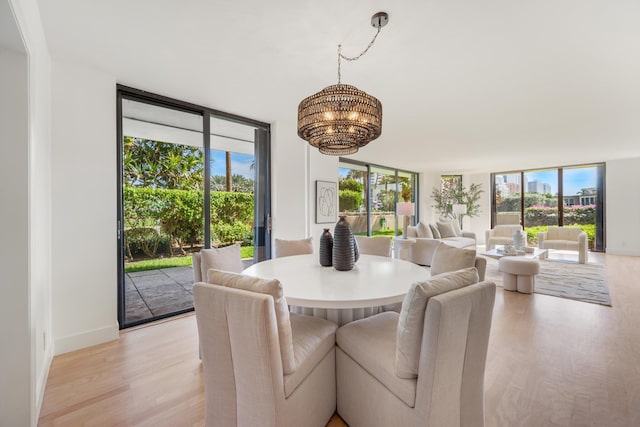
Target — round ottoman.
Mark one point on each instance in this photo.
(518, 273)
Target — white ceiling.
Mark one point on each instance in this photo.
(465, 85)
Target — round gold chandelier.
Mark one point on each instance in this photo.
(340, 119)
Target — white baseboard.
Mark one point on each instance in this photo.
(86, 339)
(620, 251)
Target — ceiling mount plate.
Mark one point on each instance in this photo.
(380, 19)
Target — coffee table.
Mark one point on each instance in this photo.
(496, 253)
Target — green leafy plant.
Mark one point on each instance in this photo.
(448, 196)
(178, 214)
(349, 201)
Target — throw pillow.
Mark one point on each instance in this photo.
(270, 287)
(435, 231)
(446, 229)
(447, 258)
(411, 320)
(456, 227)
(227, 259)
(424, 231)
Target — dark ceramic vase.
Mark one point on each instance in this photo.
(344, 246)
(326, 248)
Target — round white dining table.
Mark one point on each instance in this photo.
(341, 296)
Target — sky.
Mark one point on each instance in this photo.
(240, 164)
(575, 179)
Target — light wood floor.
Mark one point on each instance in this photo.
(551, 362)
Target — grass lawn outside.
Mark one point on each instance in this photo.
(180, 261)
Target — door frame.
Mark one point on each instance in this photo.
(262, 187)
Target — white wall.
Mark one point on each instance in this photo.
(84, 206)
(479, 224)
(25, 253)
(321, 168)
(428, 181)
(15, 356)
(289, 175)
(622, 207)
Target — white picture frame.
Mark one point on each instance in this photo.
(326, 202)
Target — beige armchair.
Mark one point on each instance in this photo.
(500, 235)
(567, 238)
(262, 366)
(378, 245)
(424, 367)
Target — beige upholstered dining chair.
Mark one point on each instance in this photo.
(227, 258)
(282, 248)
(377, 245)
(424, 366)
(262, 365)
(447, 258)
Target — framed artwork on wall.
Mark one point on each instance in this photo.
(326, 202)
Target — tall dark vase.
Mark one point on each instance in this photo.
(326, 248)
(344, 246)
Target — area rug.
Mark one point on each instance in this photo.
(565, 279)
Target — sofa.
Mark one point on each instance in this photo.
(428, 237)
(500, 235)
(567, 238)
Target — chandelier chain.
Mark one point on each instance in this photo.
(354, 58)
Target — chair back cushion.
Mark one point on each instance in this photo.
(411, 321)
(378, 245)
(506, 230)
(448, 258)
(196, 267)
(282, 248)
(227, 259)
(563, 233)
(270, 287)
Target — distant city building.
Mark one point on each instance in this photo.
(508, 185)
(537, 186)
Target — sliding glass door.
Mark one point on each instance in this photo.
(583, 201)
(564, 196)
(368, 195)
(190, 178)
(507, 194)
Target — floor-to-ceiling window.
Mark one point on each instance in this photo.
(571, 196)
(368, 195)
(190, 178)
